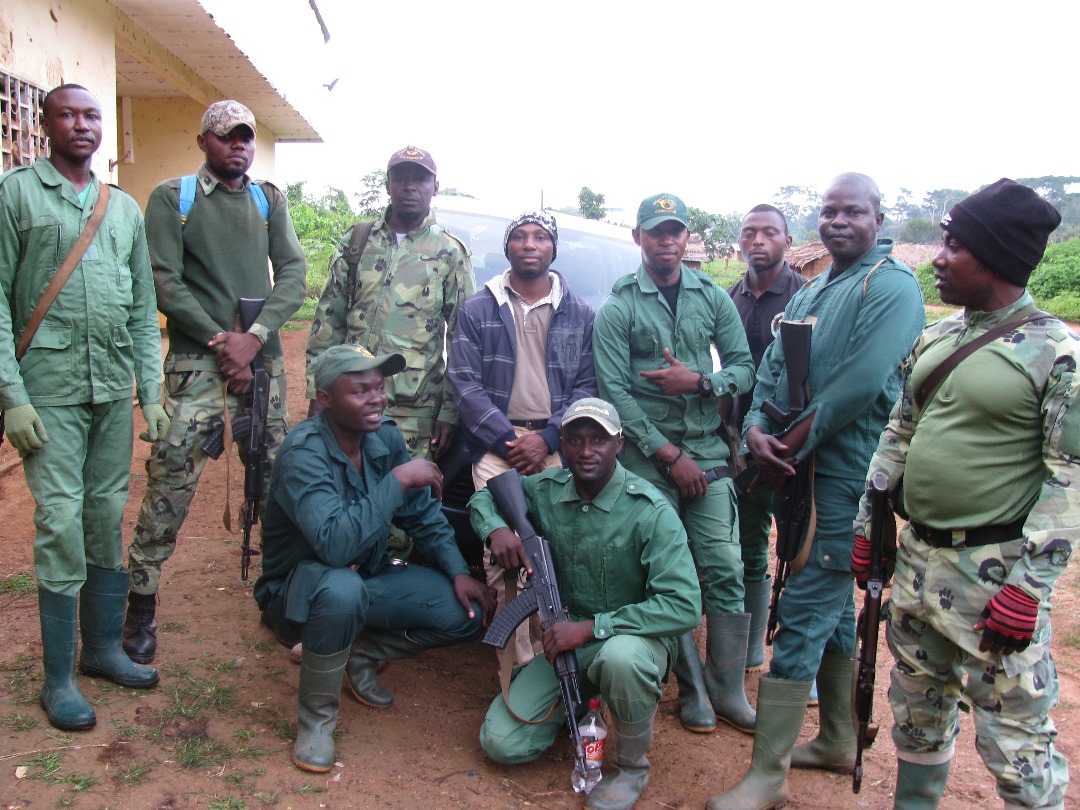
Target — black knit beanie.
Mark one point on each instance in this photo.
(1006, 226)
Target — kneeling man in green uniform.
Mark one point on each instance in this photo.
(341, 478)
(627, 580)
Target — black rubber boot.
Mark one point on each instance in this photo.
(756, 601)
(140, 627)
(61, 699)
(101, 619)
(371, 647)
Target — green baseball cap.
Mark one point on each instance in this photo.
(659, 208)
(338, 360)
(598, 410)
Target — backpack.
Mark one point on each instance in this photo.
(188, 184)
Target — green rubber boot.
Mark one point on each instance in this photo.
(102, 600)
(619, 790)
(781, 709)
(725, 651)
(756, 598)
(833, 749)
(320, 694)
(920, 787)
(695, 710)
(370, 647)
(61, 699)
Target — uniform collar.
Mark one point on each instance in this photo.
(1020, 308)
(427, 222)
(207, 181)
(605, 501)
(49, 176)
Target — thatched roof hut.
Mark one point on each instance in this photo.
(811, 259)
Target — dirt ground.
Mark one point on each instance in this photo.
(217, 731)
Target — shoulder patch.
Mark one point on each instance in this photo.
(456, 238)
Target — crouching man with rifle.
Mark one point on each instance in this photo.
(628, 590)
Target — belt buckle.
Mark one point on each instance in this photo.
(397, 562)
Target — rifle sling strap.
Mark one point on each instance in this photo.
(358, 239)
(936, 377)
(66, 269)
(506, 668)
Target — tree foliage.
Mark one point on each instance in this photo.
(371, 198)
(716, 229)
(319, 223)
(591, 204)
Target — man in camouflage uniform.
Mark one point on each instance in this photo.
(986, 541)
(203, 264)
(403, 297)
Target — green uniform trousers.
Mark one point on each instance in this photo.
(755, 524)
(79, 480)
(712, 526)
(627, 670)
(193, 399)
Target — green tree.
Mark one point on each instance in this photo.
(371, 199)
(591, 204)
(920, 230)
(319, 223)
(800, 205)
(716, 229)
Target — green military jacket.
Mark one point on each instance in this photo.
(102, 330)
(633, 327)
(622, 560)
(865, 321)
(204, 266)
(405, 299)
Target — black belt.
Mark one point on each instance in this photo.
(530, 424)
(982, 536)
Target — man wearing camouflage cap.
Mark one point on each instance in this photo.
(988, 538)
(340, 480)
(653, 362)
(522, 353)
(398, 288)
(211, 236)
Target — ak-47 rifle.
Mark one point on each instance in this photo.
(862, 693)
(793, 503)
(250, 425)
(541, 594)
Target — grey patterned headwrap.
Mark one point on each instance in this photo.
(541, 218)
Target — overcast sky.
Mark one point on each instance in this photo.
(720, 103)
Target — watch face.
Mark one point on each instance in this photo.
(705, 384)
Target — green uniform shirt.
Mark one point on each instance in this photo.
(102, 330)
(1000, 439)
(405, 299)
(622, 560)
(865, 321)
(204, 267)
(633, 327)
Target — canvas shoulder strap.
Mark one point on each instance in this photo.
(358, 239)
(64, 273)
(945, 367)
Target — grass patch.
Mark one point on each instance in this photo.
(201, 752)
(230, 803)
(17, 585)
(20, 722)
(130, 777)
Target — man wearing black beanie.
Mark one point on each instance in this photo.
(987, 448)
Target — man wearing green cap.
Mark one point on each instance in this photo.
(340, 480)
(651, 342)
(627, 580)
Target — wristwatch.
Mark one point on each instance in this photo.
(704, 385)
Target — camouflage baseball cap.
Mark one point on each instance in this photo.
(601, 412)
(660, 208)
(222, 117)
(338, 360)
(410, 154)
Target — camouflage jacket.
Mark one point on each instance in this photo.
(1001, 424)
(404, 298)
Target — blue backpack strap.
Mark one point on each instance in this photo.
(259, 196)
(188, 184)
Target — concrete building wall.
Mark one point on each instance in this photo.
(51, 43)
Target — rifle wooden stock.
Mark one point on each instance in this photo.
(862, 696)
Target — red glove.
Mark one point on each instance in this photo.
(860, 561)
(1008, 621)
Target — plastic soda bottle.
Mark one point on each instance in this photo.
(593, 732)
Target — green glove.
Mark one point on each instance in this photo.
(24, 429)
(157, 423)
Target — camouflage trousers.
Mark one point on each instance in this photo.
(937, 597)
(192, 398)
(416, 426)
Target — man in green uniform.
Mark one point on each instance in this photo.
(68, 402)
(988, 462)
(205, 259)
(866, 309)
(651, 343)
(342, 477)
(628, 583)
